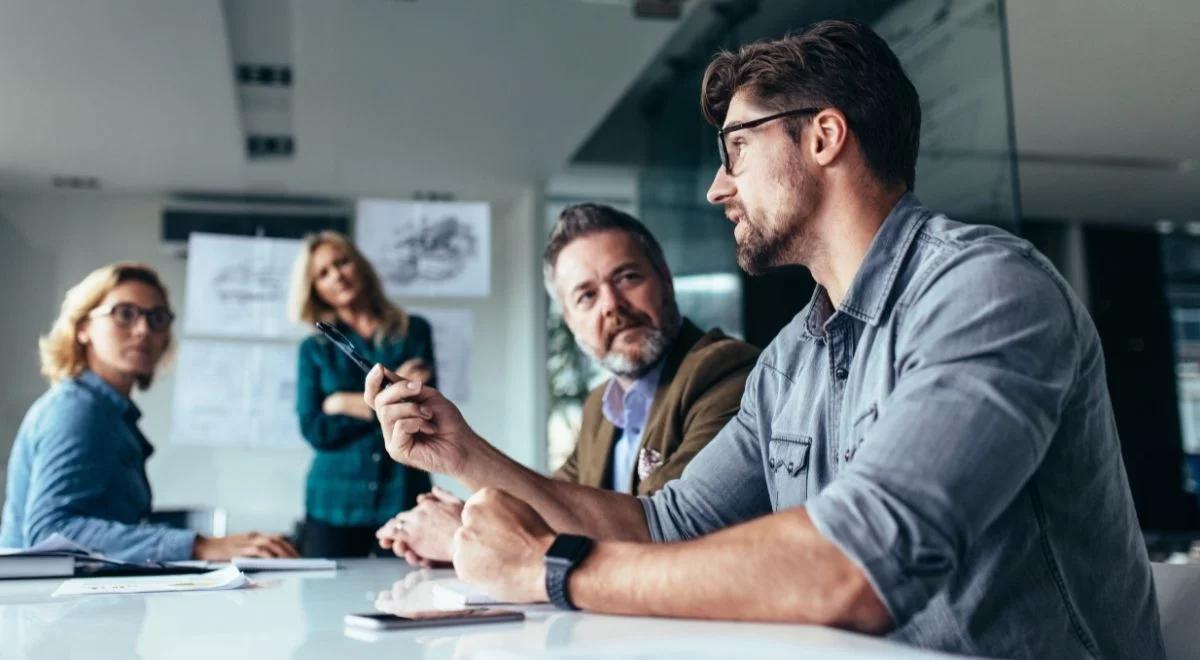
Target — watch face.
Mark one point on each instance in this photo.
(568, 547)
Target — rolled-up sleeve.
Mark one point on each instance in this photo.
(722, 486)
(986, 356)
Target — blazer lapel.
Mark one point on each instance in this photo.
(595, 468)
(657, 438)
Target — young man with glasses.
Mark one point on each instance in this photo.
(927, 451)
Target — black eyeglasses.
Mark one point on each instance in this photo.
(126, 315)
(726, 157)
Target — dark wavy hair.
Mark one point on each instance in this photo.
(838, 63)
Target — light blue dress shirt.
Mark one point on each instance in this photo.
(629, 410)
(78, 468)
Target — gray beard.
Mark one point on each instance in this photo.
(652, 350)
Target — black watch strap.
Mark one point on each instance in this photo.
(567, 552)
(556, 586)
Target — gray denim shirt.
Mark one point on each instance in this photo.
(949, 428)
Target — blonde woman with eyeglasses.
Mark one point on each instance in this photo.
(353, 487)
(78, 465)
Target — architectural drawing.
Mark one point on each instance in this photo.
(237, 286)
(427, 249)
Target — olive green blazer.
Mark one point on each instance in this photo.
(700, 389)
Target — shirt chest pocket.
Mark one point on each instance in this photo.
(861, 424)
(787, 465)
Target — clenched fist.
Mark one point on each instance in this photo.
(500, 547)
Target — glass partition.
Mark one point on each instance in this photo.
(955, 53)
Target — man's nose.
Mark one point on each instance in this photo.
(611, 301)
(722, 187)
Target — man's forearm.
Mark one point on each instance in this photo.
(775, 568)
(567, 507)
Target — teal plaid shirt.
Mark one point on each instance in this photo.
(352, 481)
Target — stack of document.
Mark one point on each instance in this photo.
(17, 564)
(59, 556)
(54, 557)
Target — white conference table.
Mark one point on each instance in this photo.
(299, 615)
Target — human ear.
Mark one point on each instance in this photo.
(830, 132)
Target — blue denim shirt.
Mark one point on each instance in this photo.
(949, 428)
(629, 410)
(78, 467)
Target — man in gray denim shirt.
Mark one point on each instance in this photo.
(928, 450)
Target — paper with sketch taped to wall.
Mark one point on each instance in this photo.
(237, 286)
(223, 579)
(428, 249)
(235, 394)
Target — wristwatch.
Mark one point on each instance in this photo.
(567, 552)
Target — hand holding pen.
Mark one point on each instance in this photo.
(421, 428)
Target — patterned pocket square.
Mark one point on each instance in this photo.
(649, 460)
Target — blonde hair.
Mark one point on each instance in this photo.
(305, 305)
(62, 355)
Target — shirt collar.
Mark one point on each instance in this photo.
(616, 397)
(100, 387)
(876, 276)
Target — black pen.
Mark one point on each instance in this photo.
(332, 334)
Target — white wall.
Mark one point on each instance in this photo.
(48, 242)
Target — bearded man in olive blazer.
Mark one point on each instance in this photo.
(672, 385)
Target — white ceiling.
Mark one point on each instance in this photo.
(473, 97)
(136, 93)
(1107, 80)
(476, 97)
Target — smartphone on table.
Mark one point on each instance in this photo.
(430, 618)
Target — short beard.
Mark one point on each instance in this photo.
(653, 348)
(787, 240)
(758, 252)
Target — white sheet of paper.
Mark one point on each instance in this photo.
(283, 564)
(237, 286)
(454, 594)
(225, 578)
(428, 249)
(232, 393)
(452, 333)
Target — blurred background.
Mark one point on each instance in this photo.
(127, 126)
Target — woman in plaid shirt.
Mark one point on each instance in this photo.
(352, 487)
